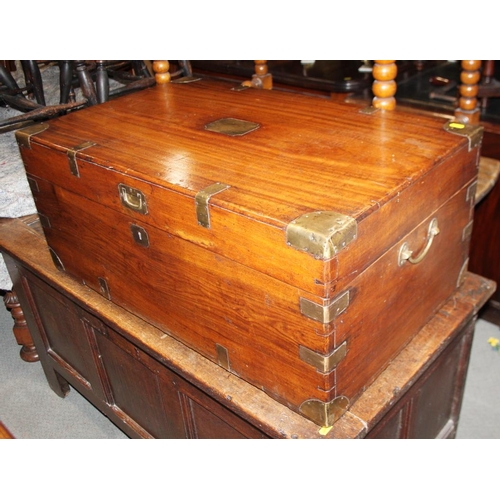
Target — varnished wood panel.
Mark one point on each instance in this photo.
(26, 254)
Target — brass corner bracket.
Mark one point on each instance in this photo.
(23, 136)
(474, 133)
(327, 312)
(324, 414)
(324, 363)
(322, 234)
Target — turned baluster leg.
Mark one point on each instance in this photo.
(34, 80)
(65, 80)
(140, 69)
(262, 79)
(487, 75)
(468, 109)
(161, 70)
(86, 84)
(21, 333)
(384, 84)
(187, 70)
(101, 82)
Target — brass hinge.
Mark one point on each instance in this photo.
(73, 165)
(323, 363)
(324, 414)
(201, 202)
(23, 136)
(322, 234)
(327, 312)
(474, 133)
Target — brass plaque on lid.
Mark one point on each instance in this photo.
(232, 126)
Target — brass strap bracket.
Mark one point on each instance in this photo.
(23, 136)
(73, 166)
(202, 199)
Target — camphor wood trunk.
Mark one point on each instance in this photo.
(269, 231)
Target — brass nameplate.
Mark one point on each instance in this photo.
(324, 313)
(73, 165)
(323, 363)
(24, 135)
(369, 110)
(474, 133)
(232, 127)
(322, 234)
(324, 414)
(201, 202)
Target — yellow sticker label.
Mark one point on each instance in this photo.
(456, 125)
(325, 430)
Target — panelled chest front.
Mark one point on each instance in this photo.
(298, 242)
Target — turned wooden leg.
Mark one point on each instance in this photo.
(21, 332)
(65, 80)
(86, 83)
(140, 69)
(101, 82)
(34, 80)
(161, 70)
(262, 79)
(384, 84)
(468, 109)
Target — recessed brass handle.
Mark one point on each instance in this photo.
(133, 198)
(405, 254)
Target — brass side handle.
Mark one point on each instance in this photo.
(133, 198)
(405, 254)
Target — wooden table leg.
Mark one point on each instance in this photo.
(21, 332)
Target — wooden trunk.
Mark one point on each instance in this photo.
(271, 232)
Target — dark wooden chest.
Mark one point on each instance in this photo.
(298, 242)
